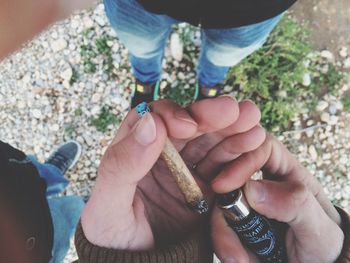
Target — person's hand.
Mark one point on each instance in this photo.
(136, 203)
(288, 193)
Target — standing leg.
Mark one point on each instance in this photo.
(224, 48)
(144, 34)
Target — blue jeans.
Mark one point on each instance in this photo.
(65, 210)
(145, 35)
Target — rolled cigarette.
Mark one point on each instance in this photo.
(183, 177)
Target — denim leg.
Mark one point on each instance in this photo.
(55, 181)
(143, 33)
(224, 48)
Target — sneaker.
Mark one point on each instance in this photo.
(144, 93)
(202, 93)
(66, 156)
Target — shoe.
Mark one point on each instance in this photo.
(202, 92)
(144, 93)
(66, 156)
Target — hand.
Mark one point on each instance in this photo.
(288, 193)
(136, 203)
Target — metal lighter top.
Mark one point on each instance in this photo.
(236, 203)
(262, 236)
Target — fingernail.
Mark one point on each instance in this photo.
(145, 131)
(184, 116)
(229, 260)
(256, 191)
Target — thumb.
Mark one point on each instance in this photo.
(312, 231)
(124, 164)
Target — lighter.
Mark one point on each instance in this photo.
(262, 236)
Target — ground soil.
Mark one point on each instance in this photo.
(329, 21)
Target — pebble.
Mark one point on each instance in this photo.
(36, 113)
(343, 52)
(346, 63)
(176, 47)
(327, 55)
(306, 79)
(95, 98)
(313, 153)
(67, 73)
(322, 105)
(59, 45)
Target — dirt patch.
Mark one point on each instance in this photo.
(329, 21)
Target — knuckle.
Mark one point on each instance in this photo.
(298, 195)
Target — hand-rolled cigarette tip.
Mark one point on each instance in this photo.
(183, 177)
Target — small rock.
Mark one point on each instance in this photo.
(95, 97)
(99, 20)
(21, 104)
(36, 113)
(327, 55)
(88, 22)
(322, 105)
(313, 153)
(88, 139)
(67, 74)
(59, 45)
(325, 117)
(306, 80)
(332, 109)
(95, 110)
(346, 63)
(176, 47)
(55, 127)
(343, 52)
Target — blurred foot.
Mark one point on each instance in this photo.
(144, 93)
(66, 156)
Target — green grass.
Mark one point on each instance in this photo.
(272, 77)
(346, 103)
(92, 48)
(104, 119)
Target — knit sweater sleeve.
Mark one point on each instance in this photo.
(192, 250)
(345, 254)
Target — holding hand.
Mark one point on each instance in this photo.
(136, 204)
(288, 193)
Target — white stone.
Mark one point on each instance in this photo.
(176, 47)
(67, 73)
(99, 20)
(327, 55)
(325, 117)
(332, 109)
(343, 52)
(306, 79)
(322, 105)
(346, 63)
(36, 113)
(95, 97)
(21, 104)
(313, 153)
(55, 127)
(88, 22)
(59, 45)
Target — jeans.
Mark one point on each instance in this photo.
(145, 35)
(65, 210)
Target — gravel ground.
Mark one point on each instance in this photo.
(46, 99)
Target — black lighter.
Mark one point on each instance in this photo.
(262, 236)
